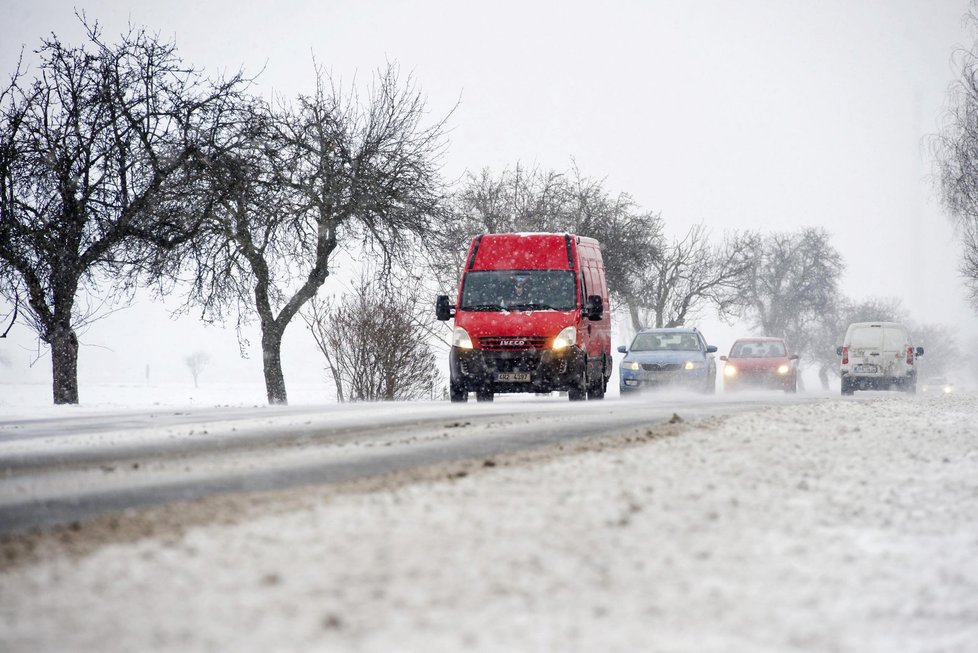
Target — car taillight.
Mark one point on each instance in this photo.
(909, 355)
(845, 355)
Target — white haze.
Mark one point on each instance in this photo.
(747, 115)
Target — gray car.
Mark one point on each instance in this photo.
(668, 357)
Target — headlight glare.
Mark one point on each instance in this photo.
(461, 339)
(692, 365)
(783, 369)
(729, 370)
(566, 338)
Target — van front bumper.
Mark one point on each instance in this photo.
(549, 369)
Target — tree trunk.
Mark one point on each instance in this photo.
(634, 314)
(64, 365)
(271, 349)
(823, 376)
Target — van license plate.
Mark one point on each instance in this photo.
(871, 369)
(513, 377)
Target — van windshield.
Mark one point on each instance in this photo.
(519, 290)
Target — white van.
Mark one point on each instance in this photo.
(878, 356)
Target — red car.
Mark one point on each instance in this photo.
(760, 363)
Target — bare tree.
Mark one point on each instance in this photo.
(326, 172)
(521, 199)
(196, 362)
(792, 283)
(688, 274)
(12, 316)
(956, 159)
(376, 342)
(89, 150)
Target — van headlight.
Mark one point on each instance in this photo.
(783, 369)
(461, 339)
(631, 365)
(693, 365)
(566, 338)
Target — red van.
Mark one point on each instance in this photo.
(530, 317)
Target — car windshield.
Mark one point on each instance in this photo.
(519, 290)
(665, 342)
(758, 350)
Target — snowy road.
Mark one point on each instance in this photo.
(58, 470)
(833, 525)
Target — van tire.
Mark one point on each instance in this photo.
(577, 391)
(457, 393)
(846, 387)
(596, 388)
(484, 394)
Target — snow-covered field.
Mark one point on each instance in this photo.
(844, 525)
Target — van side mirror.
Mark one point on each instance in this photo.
(594, 310)
(444, 311)
(920, 351)
(838, 351)
(622, 349)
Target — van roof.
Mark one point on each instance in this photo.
(524, 251)
(878, 324)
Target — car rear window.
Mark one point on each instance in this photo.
(866, 338)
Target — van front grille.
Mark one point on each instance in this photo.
(513, 343)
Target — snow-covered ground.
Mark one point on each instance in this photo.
(844, 525)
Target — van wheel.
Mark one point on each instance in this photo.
(911, 387)
(846, 387)
(595, 389)
(578, 390)
(457, 393)
(484, 394)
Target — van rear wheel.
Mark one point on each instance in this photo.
(484, 394)
(847, 388)
(596, 388)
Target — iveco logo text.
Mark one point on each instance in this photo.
(512, 343)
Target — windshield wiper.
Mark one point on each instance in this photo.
(482, 307)
(530, 307)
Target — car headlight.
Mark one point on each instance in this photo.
(729, 370)
(693, 365)
(461, 339)
(783, 369)
(566, 338)
(631, 365)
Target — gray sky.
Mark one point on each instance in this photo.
(754, 114)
